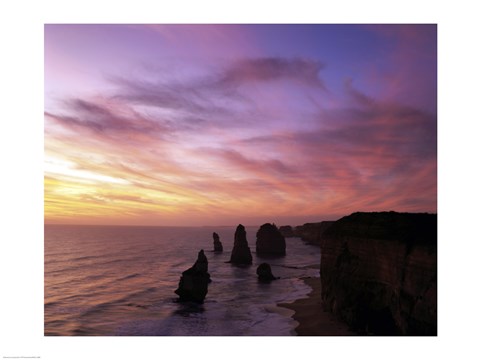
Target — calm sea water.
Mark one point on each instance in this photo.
(112, 280)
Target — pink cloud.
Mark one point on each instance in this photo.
(186, 152)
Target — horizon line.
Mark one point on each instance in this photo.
(232, 225)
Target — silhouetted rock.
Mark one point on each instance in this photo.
(312, 233)
(241, 252)
(270, 241)
(264, 272)
(379, 272)
(286, 231)
(217, 245)
(193, 285)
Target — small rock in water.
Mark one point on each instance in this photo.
(264, 272)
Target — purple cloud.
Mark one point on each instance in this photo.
(273, 68)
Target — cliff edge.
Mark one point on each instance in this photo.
(379, 272)
(312, 233)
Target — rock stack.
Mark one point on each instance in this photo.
(264, 272)
(241, 254)
(193, 285)
(217, 245)
(270, 241)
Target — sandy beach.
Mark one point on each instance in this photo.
(312, 319)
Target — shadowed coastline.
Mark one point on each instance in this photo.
(312, 319)
(378, 277)
(378, 274)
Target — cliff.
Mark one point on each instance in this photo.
(311, 233)
(286, 231)
(379, 272)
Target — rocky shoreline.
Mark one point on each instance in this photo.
(378, 273)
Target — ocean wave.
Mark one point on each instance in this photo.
(126, 300)
(125, 285)
(131, 276)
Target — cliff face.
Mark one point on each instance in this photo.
(286, 231)
(379, 272)
(312, 232)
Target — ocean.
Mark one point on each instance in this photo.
(120, 280)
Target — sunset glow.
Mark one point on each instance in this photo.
(227, 124)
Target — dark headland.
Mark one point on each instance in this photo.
(378, 275)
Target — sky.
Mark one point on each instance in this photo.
(223, 124)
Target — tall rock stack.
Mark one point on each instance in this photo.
(193, 285)
(270, 241)
(241, 254)
(217, 244)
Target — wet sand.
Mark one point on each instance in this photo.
(312, 319)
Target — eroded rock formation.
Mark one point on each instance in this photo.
(270, 241)
(311, 233)
(241, 254)
(217, 244)
(379, 272)
(193, 285)
(264, 272)
(286, 231)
